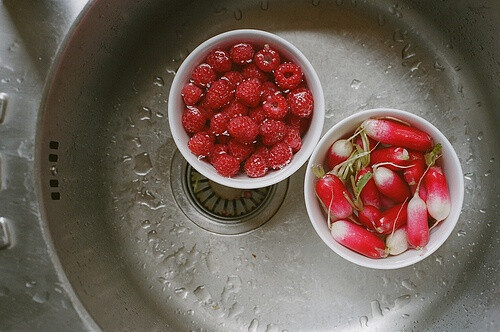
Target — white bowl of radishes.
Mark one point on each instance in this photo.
(246, 109)
(384, 188)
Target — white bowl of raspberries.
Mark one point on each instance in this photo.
(246, 109)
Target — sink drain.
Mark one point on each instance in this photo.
(220, 209)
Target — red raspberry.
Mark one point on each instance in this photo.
(234, 109)
(218, 123)
(280, 155)
(257, 114)
(288, 75)
(241, 53)
(251, 71)
(275, 106)
(207, 111)
(243, 129)
(267, 59)
(256, 165)
(234, 77)
(219, 60)
(263, 150)
(293, 140)
(217, 151)
(239, 150)
(201, 144)
(193, 120)
(301, 102)
(219, 94)
(272, 131)
(226, 165)
(268, 89)
(302, 124)
(248, 92)
(191, 94)
(203, 75)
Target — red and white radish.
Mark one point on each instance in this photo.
(339, 152)
(358, 238)
(390, 184)
(438, 196)
(386, 202)
(397, 242)
(397, 134)
(332, 194)
(392, 219)
(369, 216)
(395, 155)
(369, 194)
(413, 174)
(417, 227)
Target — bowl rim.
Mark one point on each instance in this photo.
(310, 197)
(316, 125)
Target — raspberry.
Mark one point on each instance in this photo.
(217, 151)
(191, 94)
(251, 71)
(263, 150)
(248, 92)
(257, 114)
(243, 129)
(256, 165)
(239, 150)
(267, 59)
(219, 60)
(218, 123)
(203, 75)
(193, 120)
(234, 77)
(207, 111)
(234, 109)
(220, 93)
(201, 144)
(272, 131)
(293, 140)
(226, 165)
(275, 106)
(301, 102)
(302, 124)
(241, 53)
(280, 154)
(268, 89)
(288, 75)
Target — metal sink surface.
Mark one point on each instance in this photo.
(104, 226)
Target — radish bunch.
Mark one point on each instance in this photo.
(384, 191)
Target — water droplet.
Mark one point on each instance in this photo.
(363, 321)
(238, 14)
(468, 176)
(405, 315)
(407, 52)
(137, 141)
(401, 301)
(461, 233)
(145, 113)
(439, 259)
(181, 292)
(492, 160)
(203, 295)
(126, 158)
(264, 4)
(315, 2)
(158, 81)
(470, 159)
(152, 236)
(190, 312)
(399, 36)
(438, 66)
(147, 198)
(460, 89)
(159, 115)
(488, 173)
(31, 284)
(220, 11)
(355, 84)
(142, 164)
(394, 10)
(408, 285)
(482, 211)
(145, 224)
(41, 297)
(272, 328)
(480, 136)
(171, 71)
(53, 170)
(376, 310)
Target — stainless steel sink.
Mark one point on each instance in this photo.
(109, 228)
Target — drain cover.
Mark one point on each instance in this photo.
(220, 209)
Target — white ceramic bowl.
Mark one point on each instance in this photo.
(176, 106)
(451, 167)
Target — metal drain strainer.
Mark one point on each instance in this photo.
(220, 209)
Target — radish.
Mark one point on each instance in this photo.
(358, 238)
(392, 219)
(397, 134)
(333, 195)
(390, 184)
(339, 152)
(417, 226)
(369, 216)
(371, 143)
(397, 242)
(395, 155)
(369, 194)
(386, 202)
(438, 196)
(413, 174)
